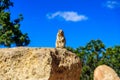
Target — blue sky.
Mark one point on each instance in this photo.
(81, 21)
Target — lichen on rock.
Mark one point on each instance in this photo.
(38, 64)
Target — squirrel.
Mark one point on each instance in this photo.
(60, 40)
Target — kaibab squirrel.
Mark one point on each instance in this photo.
(60, 40)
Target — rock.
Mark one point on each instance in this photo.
(38, 64)
(104, 72)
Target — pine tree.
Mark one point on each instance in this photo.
(10, 32)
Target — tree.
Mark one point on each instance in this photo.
(90, 57)
(10, 32)
(113, 56)
(94, 54)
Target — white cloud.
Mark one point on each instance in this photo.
(68, 16)
(112, 4)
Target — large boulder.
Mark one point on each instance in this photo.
(38, 64)
(104, 72)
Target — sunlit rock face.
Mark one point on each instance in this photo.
(38, 64)
(104, 72)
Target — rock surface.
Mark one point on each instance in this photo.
(104, 72)
(38, 64)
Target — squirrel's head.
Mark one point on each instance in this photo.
(60, 32)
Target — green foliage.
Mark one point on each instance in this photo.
(10, 32)
(95, 54)
(113, 55)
